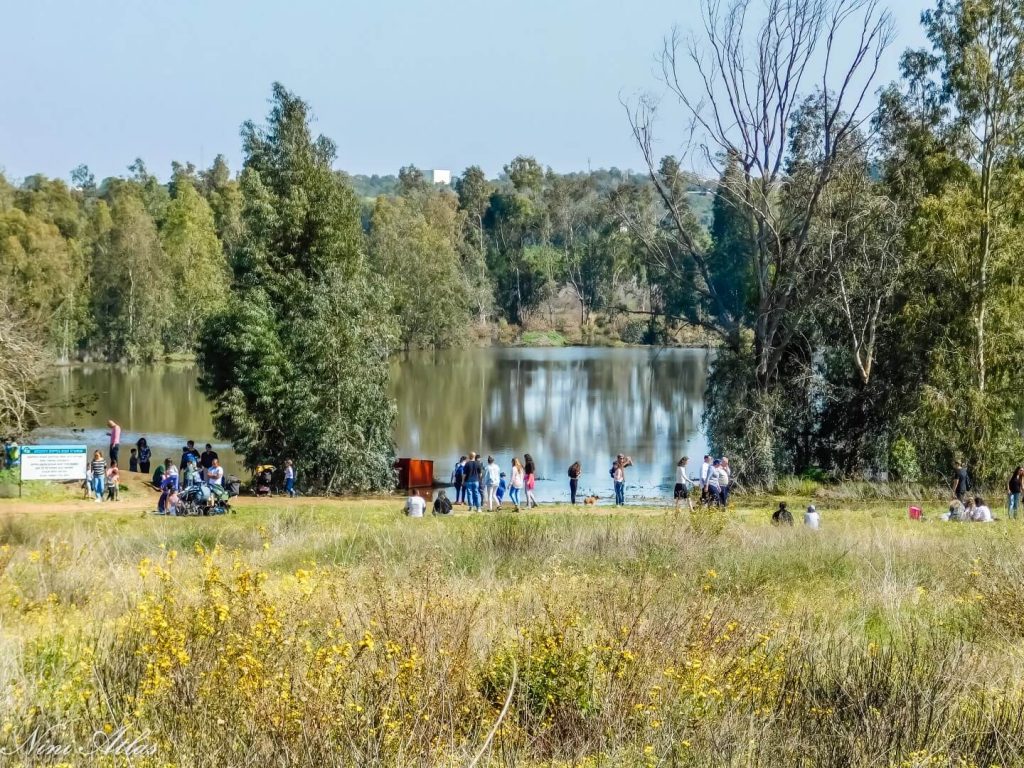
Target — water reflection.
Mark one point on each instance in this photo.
(560, 405)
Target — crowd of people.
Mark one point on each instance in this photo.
(195, 467)
(480, 484)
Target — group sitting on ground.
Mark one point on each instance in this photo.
(782, 516)
(969, 511)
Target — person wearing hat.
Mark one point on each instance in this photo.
(811, 518)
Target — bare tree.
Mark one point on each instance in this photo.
(23, 363)
(861, 229)
(741, 83)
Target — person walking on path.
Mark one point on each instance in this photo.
(618, 473)
(531, 480)
(961, 482)
(492, 476)
(145, 455)
(683, 484)
(575, 471)
(472, 472)
(99, 474)
(1013, 486)
(115, 439)
(517, 483)
(458, 480)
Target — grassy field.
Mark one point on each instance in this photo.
(315, 633)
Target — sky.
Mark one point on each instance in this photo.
(442, 84)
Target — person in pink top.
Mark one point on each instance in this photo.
(115, 438)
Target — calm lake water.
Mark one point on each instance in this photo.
(560, 405)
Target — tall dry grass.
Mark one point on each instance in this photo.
(352, 636)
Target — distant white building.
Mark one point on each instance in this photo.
(438, 176)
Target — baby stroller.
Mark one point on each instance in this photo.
(203, 499)
(263, 480)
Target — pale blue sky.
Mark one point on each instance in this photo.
(441, 84)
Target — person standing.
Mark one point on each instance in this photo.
(115, 439)
(575, 471)
(619, 476)
(113, 481)
(681, 491)
(206, 460)
(724, 481)
(714, 489)
(289, 479)
(99, 474)
(472, 472)
(492, 476)
(133, 460)
(517, 483)
(145, 455)
(1013, 493)
(531, 479)
(961, 482)
(705, 473)
(458, 480)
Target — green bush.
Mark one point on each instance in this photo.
(903, 461)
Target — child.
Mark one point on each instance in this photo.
(133, 461)
(502, 488)
(289, 478)
(113, 481)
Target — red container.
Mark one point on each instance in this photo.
(915, 513)
(415, 473)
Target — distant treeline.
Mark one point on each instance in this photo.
(128, 268)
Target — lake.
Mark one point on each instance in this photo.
(559, 404)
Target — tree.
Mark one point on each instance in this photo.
(744, 104)
(23, 364)
(297, 363)
(474, 191)
(196, 263)
(414, 242)
(132, 288)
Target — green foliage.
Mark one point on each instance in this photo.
(195, 263)
(296, 364)
(414, 241)
(903, 461)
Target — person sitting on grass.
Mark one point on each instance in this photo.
(955, 513)
(782, 515)
(415, 506)
(442, 504)
(811, 518)
(982, 514)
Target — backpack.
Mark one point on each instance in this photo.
(611, 471)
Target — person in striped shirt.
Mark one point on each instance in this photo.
(99, 474)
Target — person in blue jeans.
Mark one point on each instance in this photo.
(619, 477)
(289, 478)
(472, 472)
(1013, 491)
